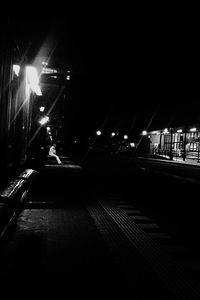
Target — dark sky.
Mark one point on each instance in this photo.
(116, 67)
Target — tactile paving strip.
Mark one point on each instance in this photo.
(123, 228)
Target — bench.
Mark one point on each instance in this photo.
(12, 194)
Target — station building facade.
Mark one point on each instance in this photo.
(179, 143)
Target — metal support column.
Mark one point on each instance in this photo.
(171, 139)
(184, 145)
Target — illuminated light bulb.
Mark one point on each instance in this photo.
(32, 80)
(193, 129)
(144, 132)
(42, 108)
(16, 69)
(44, 120)
(98, 132)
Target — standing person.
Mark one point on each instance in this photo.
(52, 152)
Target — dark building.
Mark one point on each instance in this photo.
(29, 91)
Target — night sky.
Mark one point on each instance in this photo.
(111, 81)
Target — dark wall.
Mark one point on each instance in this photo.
(15, 110)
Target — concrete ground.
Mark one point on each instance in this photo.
(68, 242)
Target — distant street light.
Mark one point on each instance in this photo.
(166, 130)
(125, 136)
(113, 134)
(98, 132)
(144, 132)
(193, 129)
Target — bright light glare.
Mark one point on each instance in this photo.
(32, 80)
(193, 129)
(180, 130)
(49, 71)
(98, 132)
(68, 77)
(48, 128)
(144, 132)
(16, 69)
(42, 108)
(44, 120)
(125, 136)
(113, 133)
(166, 130)
(132, 144)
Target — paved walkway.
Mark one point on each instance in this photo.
(66, 245)
(188, 161)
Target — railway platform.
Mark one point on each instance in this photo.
(76, 236)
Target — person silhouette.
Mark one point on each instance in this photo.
(52, 152)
